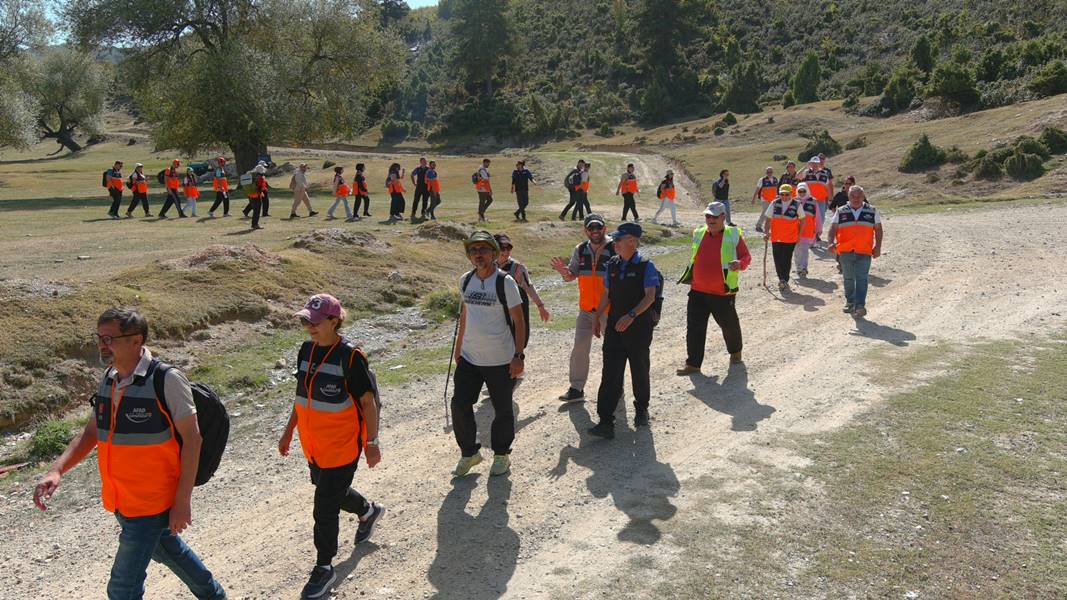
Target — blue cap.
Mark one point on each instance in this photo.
(627, 229)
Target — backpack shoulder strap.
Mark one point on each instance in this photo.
(501, 294)
(467, 281)
(159, 382)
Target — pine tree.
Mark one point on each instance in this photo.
(484, 40)
(922, 54)
(806, 80)
(742, 93)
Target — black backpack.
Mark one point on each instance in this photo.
(104, 178)
(502, 297)
(657, 307)
(573, 180)
(161, 177)
(474, 178)
(211, 417)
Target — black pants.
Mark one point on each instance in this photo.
(333, 493)
(484, 200)
(221, 198)
(698, 309)
(396, 205)
(138, 198)
(264, 206)
(116, 201)
(366, 204)
(572, 200)
(583, 209)
(468, 384)
(421, 193)
(631, 346)
(254, 205)
(629, 204)
(522, 197)
(435, 201)
(172, 199)
(783, 258)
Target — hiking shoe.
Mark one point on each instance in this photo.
(641, 418)
(859, 312)
(465, 464)
(293, 216)
(313, 213)
(688, 369)
(319, 583)
(783, 285)
(759, 230)
(735, 357)
(256, 227)
(501, 464)
(802, 273)
(366, 526)
(848, 309)
(113, 216)
(603, 430)
(573, 395)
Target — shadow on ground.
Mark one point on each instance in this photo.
(731, 396)
(885, 333)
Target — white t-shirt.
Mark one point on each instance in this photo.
(487, 341)
(483, 173)
(856, 214)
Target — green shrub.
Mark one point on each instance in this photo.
(1054, 139)
(851, 101)
(442, 305)
(1024, 166)
(954, 82)
(922, 156)
(50, 439)
(729, 119)
(819, 142)
(900, 90)
(981, 153)
(326, 164)
(719, 131)
(857, 143)
(1000, 154)
(605, 130)
(787, 99)
(1029, 145)
(1050, 80)
(988, 169)
(956, 156)
(394, 130)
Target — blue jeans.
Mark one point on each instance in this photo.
(729, 217)
(144, 539)
(855, 268)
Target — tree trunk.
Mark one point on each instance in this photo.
(246, 154)
(65, 138)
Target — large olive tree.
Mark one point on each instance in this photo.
(245, 73)
(23, 27)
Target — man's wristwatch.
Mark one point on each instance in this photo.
(520, 355)
(373, 442)
(632, 314)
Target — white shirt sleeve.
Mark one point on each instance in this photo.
(877, 217)
(179, 396)
(770, 210)
(836, 220)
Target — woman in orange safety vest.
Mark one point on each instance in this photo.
(192, 193)
(786, 216)
(138, 184)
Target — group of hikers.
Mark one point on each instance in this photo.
(147, 420)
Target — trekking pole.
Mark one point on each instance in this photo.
(451, 354)
(764, 262)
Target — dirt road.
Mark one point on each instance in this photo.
(577, 512)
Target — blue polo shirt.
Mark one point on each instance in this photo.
(651, 280)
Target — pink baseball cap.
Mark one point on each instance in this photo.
(321, 307)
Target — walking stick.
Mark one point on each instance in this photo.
(451, 354)
(764, 262)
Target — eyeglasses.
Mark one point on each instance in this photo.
(107, 340)
(479, 250)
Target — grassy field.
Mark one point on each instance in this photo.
(951, 490)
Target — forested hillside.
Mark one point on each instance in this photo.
(536, 69)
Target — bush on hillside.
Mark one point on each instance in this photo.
(901, 89)
(1050, 80)
(1029, 145)
(729, 119)
(999, 155)
(956, 156)
(49, 440)
(857, 143)
(719, 131)
(922, 156)
(806, 80)
(1054, 139)
(787, 99)
(988, 169)
(395, 131)
(819, 142)
(851, 101)
(1024, 166)
(954, 82)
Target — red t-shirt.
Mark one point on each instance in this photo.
(707, 269)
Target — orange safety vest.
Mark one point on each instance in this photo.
(784, 221)
(221, 184)
(340, 190)
(172, 179)
(584, 186)
(140, 183)
(330, 421)
(591, 271)
(395, 185)
(137, 452)
(668, 192)
(114, 181)
(482, 185)
(807, 229)
(818, 185)
(359, 186)
(190, 189)
(768, 189)
(434, 185)
(629, 184)
(855, 234)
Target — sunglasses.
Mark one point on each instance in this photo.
(107, 340)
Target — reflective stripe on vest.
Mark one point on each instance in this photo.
(784, 222)
(855, 234)
(328, 418)
(731, 237)
(818, 185)
(768, 189)
(807, 230)
(591, 274)
(138, 456)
